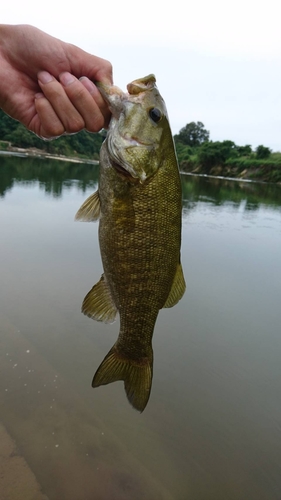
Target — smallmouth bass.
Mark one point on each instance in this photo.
(138, 204)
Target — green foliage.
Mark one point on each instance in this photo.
(212, 153)
(276, 156)
(225, 158)
(4, 145)
(262, 152)
(83, 144)
(244, 150)
(193, 134)
(183, 152)
(253, 162)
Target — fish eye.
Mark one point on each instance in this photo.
(155, 114)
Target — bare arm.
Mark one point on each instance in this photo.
(40, 86)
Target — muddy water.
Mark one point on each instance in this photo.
(212, 429)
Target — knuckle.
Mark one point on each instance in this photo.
(104, 72)
(75, 125)
(52, 131)
(96, 124)
(108, 66)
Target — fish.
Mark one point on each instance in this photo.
(139, 205)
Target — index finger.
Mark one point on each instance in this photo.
(95, 68)
(96, 95)
(101, 71)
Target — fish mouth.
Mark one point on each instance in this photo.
(135, 142)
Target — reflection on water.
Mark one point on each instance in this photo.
(52, 176)
(212, 429)
(249, 194)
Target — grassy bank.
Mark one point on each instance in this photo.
(266, 170)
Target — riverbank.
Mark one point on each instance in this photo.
(267, 172)
(263, 173)
(38, 153)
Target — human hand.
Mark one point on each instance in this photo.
(47, 84)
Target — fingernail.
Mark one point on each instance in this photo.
(66, 78)
(39, 95)
(45, 77)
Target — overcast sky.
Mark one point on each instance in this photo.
(216, 61)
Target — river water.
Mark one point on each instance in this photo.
(212, 427)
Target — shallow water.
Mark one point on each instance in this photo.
(212, 427)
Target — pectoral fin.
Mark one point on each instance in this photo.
(178, 288)
(98, 303)
(90, 210)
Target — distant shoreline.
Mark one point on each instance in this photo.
(34, 153)
(265, 172)
(223, 178)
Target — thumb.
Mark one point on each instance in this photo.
(84, 64)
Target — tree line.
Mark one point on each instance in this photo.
(83, 144)
(194, 138)
(197, 153)
(195, 150)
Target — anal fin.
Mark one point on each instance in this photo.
(177, 289)
(98, 303)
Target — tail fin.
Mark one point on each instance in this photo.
(137, 376)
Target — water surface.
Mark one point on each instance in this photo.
(212, 427)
